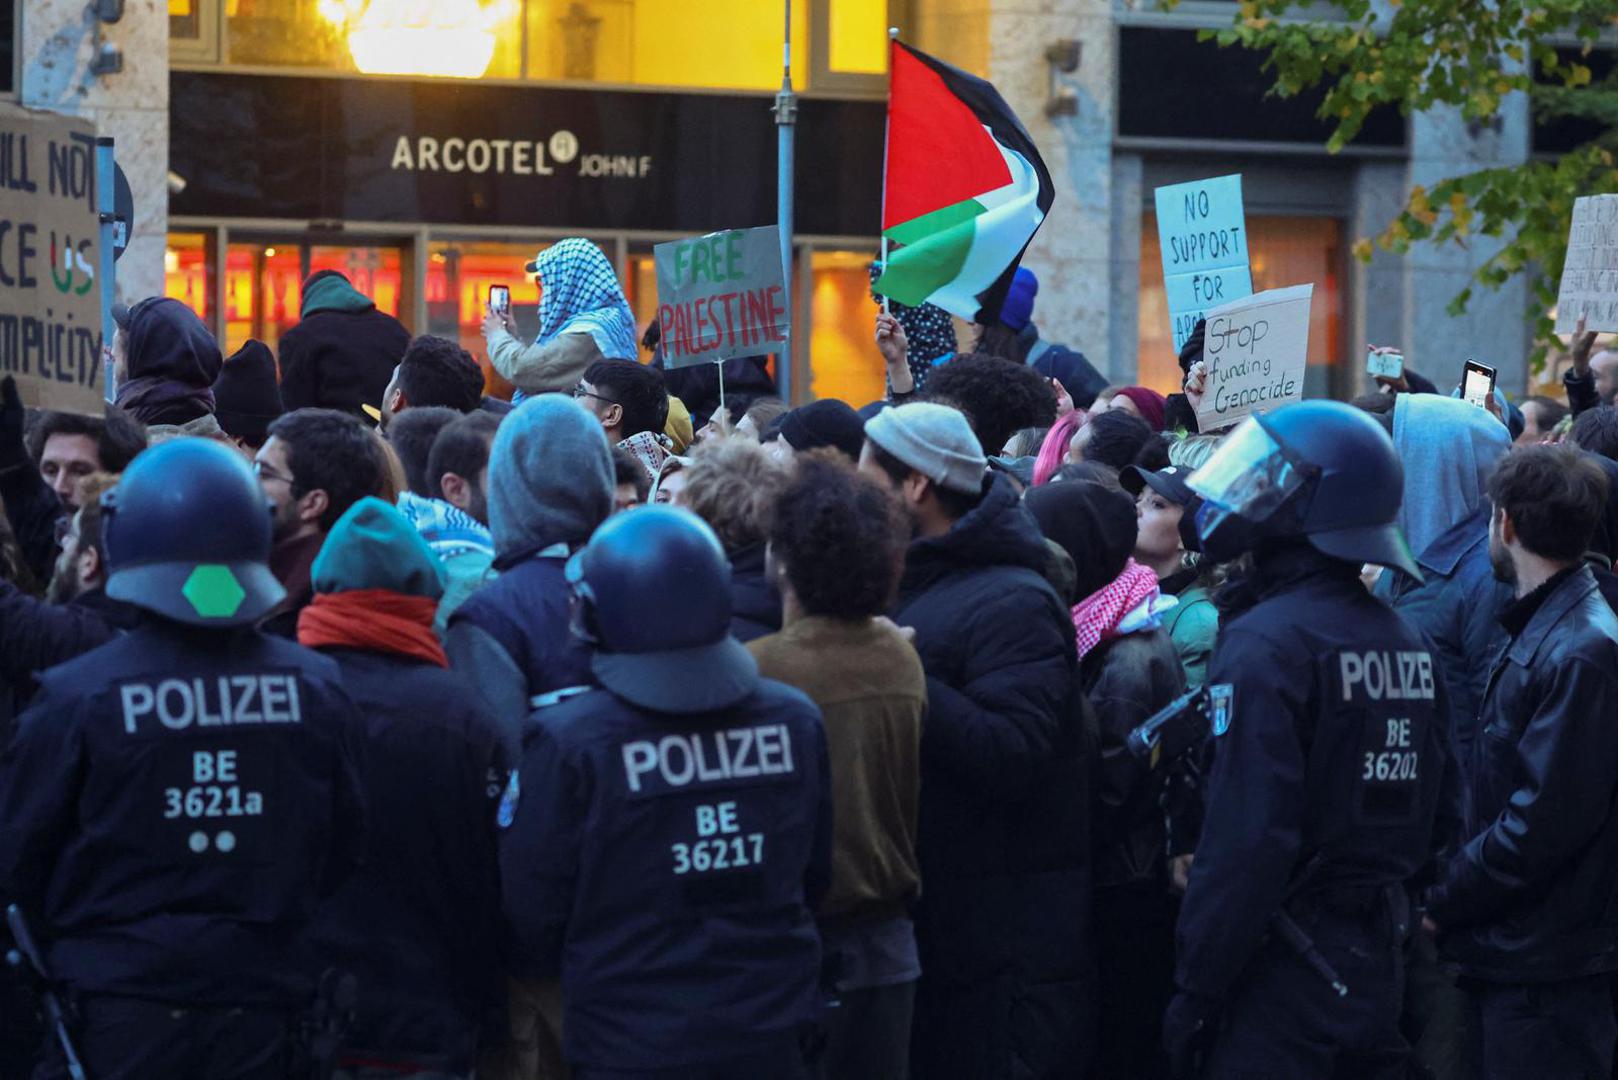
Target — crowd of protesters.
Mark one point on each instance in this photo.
(887, 656)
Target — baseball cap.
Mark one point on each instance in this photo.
(1169, 482)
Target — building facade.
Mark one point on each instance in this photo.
(265, 139)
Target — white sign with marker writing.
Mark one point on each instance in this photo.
(1590, 273)
(1256, 350)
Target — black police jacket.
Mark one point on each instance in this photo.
(1531, 895)
(1003, 831)
(1330, 771)
(418, 924)
(668, 865)
(174, 806)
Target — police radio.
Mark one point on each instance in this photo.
(1181, 725)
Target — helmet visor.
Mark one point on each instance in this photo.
(1249, 476)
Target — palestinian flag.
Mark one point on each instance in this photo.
(965, 189)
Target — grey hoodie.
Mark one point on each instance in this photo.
(550, 477)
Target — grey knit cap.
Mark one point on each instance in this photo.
(935, 440)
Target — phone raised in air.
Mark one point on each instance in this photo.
(1386, 365)
(500, 298)
(1477, 383)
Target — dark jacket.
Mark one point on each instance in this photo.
(418, 924)
(1002, 923)
(1127, 679)
(513, 640)
(169, 842)
(697, 386)
(1530, 896)
(173, 361)
(1330, 765)
(1458, 608)
(676, 904)
(1581, 391)
(342, 353)
(290, 562)
(1067, 366)
(32, 509)
(35, 636)
(755, 603)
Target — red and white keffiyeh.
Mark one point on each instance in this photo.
(1096, 617)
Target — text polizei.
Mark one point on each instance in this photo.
(211, 701)
(707, 757)
(1380, 675)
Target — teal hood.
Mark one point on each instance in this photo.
(374, 546)
(330, 291)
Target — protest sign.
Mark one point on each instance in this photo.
(1203, 235)
(50, 303)
(1255, 352)
(721, 295)
(1590, 273)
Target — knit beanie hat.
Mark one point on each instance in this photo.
(246, 394)
(935, 440)
(374, 546)
(824, 423)
(1019, 306)
(678, 427)
(1150, 404)
(550, 476)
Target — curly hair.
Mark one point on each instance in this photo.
(840, 537)
(730, 484)
(437, 371)
(997, 396)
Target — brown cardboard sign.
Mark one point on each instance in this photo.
(50, 300)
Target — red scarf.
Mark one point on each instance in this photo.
(378, 620)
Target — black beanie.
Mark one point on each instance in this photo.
(246, 395)
(825, 423)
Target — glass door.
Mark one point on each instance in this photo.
(264, 278)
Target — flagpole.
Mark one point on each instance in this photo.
(887, 130)
(786, 117)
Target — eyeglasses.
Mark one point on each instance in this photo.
(265, 472)
(579, 391)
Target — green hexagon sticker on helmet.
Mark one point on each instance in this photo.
(213, 591)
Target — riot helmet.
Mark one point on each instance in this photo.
(1320, 471)
(652, 593)
(187, 535)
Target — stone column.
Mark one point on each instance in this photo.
(59, 39)
(1071, 251)
(1495, 327)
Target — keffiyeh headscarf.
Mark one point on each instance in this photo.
(580, 294)
(929, 330)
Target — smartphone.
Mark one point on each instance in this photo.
(1477, 383)
(500, 298)
(1385, 365)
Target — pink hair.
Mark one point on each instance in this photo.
(1053, 451)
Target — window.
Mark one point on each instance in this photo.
(1284, 251)
(188, 274)
(843, 361)
(716, 44)
(264, 284)
(459, 274)
(194, 30)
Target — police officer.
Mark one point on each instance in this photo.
(669, 834)
(1329, 758)
(175, 803)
